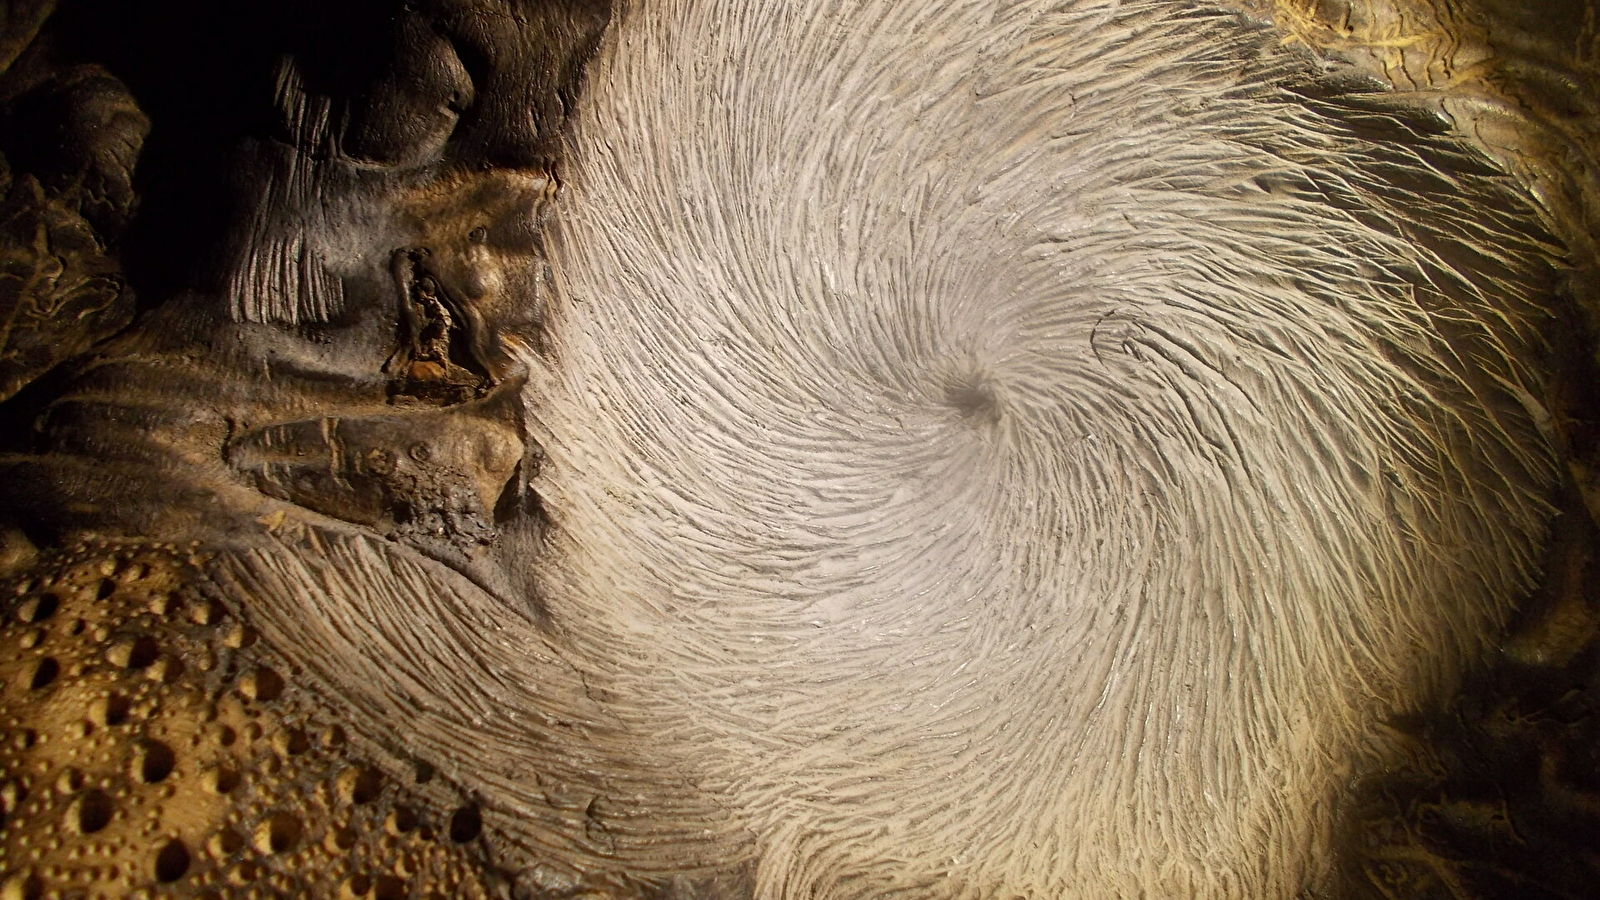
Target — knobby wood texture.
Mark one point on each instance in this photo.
(339, 264)
(917, 448)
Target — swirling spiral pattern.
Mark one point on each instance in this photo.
(1022, 449)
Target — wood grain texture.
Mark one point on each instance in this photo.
(926, 449)
(1099, 528)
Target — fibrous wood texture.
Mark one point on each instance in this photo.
(916, 448)
(1079, 545)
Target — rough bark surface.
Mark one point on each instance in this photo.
(340, 251)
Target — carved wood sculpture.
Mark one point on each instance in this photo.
(906, 448)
